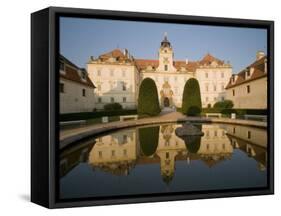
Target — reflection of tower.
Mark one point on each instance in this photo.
(167, 152)
(167, 164)
(167, 132)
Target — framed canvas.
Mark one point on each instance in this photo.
(139, 107)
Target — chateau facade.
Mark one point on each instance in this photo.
(248, 88)
(118, 75)
(76, 89)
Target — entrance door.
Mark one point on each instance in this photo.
(166, 102)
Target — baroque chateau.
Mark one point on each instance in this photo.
(115, 77)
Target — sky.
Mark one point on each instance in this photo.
(81, 38)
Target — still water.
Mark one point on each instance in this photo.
(154, 159)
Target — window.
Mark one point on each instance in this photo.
(84, 92)
(100, 154)
(123, 86)
(249, 135)
(206, 99)
(222, 87)
(234, 130)
(99, 87)
(123, 73)
(125, 152)
(248, 73)
(215, 98)
(61, 87)
(206, 75)
(207, 87)
(222, 75)
(167, 155)
(125, 139)
(248, 89)
(99, 100)
(124, 99)
(207, 146)
(112, 99)
(176, 79)
(62, 66)
(215, 88)
(166, 67)
(111, 72)
(112, 153)
(233, 92)
(99, 72)
(215, 133)
(83, 75)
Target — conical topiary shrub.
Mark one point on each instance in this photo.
(148, 102)
(149, 138)
(191, 100)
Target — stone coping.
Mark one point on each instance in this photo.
(70, 136)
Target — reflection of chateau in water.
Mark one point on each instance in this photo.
(115, 153)
(119, 152)
(253, 141)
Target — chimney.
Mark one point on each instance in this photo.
(125, 52)
(259, 55)
(186, 61)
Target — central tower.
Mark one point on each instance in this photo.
(166, 56)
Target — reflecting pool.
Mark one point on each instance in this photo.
(147, 160)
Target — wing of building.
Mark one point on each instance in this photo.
(117, 75)
(248, 88)
(76, 88)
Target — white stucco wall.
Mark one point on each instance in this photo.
(256, 99)
(72, 100)
(212, 85)
(109, 78)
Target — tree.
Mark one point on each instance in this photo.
(226, 104)
(113, 106)
(148, 102)
(191, 100)
(149, 137)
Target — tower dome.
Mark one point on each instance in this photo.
(165, 42)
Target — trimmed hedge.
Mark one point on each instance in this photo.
(191, 100)
(237, 111)
(113, 106)
(149, 138)
(148, 102)
(226, 104)
(97, 114)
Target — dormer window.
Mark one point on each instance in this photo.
(62, 66)
(233, 79)
(249, 72)
(83, 75)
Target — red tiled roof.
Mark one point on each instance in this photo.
(154, 63)
(191, 66)
(208, 59)
(257, 73)
(144, 63)
(71, 73)
(114, 53)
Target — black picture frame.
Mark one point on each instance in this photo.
(45, 100)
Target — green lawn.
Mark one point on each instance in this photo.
(99, 120)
